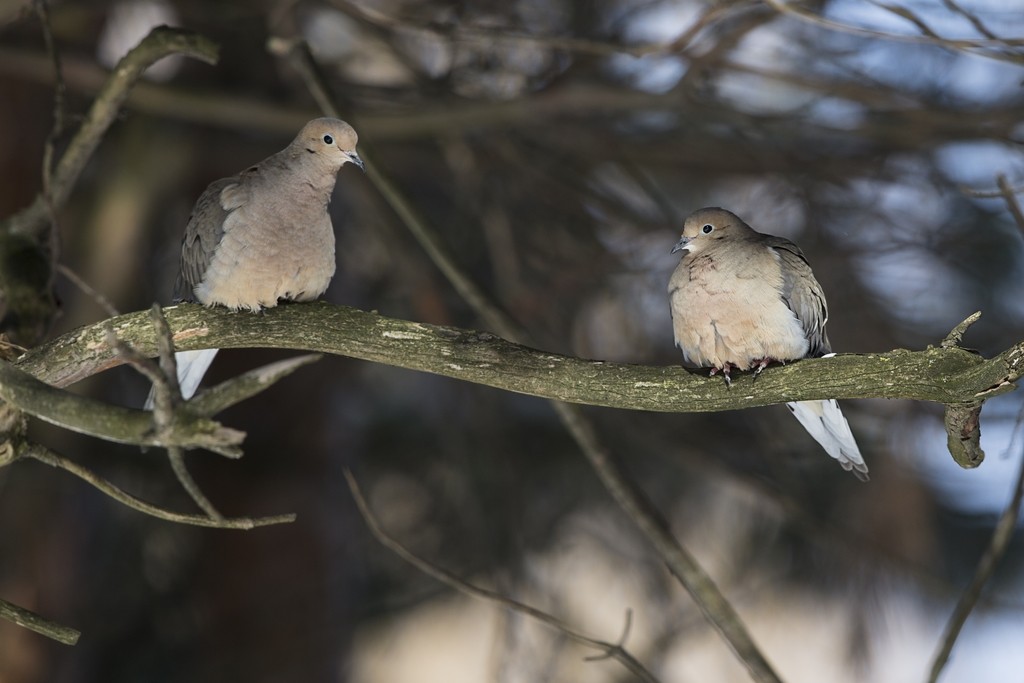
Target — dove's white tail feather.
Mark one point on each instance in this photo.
(825, 422)
(192, 365)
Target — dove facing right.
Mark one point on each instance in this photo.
(264, 235)
(741, 299)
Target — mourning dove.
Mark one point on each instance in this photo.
(264, 235)
(741, 299)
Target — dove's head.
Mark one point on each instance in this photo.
(331, 141)
(707, 226)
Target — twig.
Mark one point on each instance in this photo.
(214, 399)
(793, 10)
(102, 301)
(627, 626)
(59, 89)
(177, 458)
(582, 46)
(956, 335)
(47, 456)
(990, 194)
(633, 501)
(34, 622)
(1009, 195)
(977, 23)
(143, 364)
(608, 650)
(1001, 538)
(166, 391)
(187, 430)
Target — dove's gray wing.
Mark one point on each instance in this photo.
(202, 235)
(802, 293)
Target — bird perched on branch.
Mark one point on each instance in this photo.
(264, 235)
(740, 300)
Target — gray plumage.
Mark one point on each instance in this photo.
(741, 299)
(264, 235)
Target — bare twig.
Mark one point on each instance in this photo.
(177, 458)
(583, 46)
(166, 392)
(627, 626)
(47, 456)
(956, 335)
(990, 194)
(976, 22)
(101, 301)
(34, 622)
(608, 650)
(143, 364)
(792, 9)
(1009, 195)
(1001, 538)
(214, 399)
(58, 98)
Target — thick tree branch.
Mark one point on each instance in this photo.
(942, 375)
(89, 416)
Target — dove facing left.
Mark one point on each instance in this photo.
(741, 299)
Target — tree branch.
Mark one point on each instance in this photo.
(941, 375)
(34, 622)
(113, 423)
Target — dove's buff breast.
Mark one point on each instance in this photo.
(727, 309)
(271, 250)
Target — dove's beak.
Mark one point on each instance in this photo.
(681, 245)
(357, 160)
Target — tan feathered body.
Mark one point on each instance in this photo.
(726, 306)
(740, 299)
(264, 235)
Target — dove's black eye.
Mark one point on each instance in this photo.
(707, 228)
(328, 139)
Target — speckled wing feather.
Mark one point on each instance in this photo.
(202, 235)
(802, 293)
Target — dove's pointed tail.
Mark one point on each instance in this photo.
(825, 422)
(192, 365)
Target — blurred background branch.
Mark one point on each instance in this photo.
(616, 651)
(986, 568)
(28, 238)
